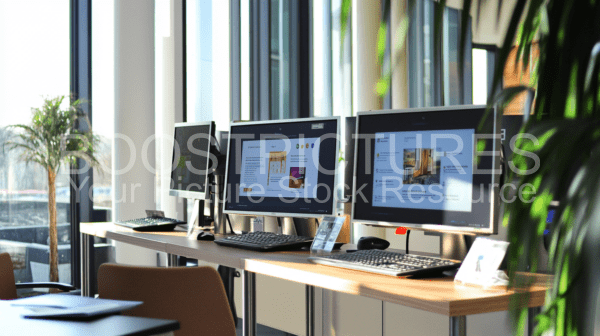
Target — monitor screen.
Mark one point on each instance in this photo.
(192, 159)
(419, 168)
(282, 168)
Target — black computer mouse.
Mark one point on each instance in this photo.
(203, 235)
(372, 243)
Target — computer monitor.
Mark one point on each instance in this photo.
(419, 168)
(282, 168)
(193, 160)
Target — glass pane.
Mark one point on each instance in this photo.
(452, 92)
(34, 64)
(428, 57)
(322, 53)
(103, 96)
(245, 57)
(207, 65)
(275, 89)
(207, 56)
(275, 55)
(199, 60)
(480, 78)
(341, 63)
(274, 27)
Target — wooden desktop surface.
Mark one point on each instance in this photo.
(439, 295)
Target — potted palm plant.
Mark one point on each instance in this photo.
(52, 139)
(565, 121)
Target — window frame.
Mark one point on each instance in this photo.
(81, 88)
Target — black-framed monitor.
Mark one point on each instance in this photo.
(284, 168)
(418, 168)
(193, 160)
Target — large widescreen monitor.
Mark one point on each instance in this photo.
(282, 167)
(193, 160)
(430, 169)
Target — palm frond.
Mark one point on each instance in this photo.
(53, 137)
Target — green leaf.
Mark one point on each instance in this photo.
(571, 108)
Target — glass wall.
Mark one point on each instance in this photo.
(276, 60)
(103, 96)
(480, 76)
(34, 64)
(341, 62)
(207, 66)
(322, 51)
(421, 61)
(245, 59)
(436, 79)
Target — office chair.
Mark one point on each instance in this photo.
(8, 287)
(192, 295)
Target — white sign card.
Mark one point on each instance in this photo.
(480, 267)
(328, 231)
(258, 223)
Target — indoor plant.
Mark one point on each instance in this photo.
(565, 121)
(55, 136)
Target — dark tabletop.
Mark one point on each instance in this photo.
(11, 323)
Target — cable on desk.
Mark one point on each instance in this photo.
(229, 221)
(407, 236)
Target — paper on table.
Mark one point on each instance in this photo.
(71, 306)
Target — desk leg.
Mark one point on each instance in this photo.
(249, 303)
(458, 325)
(86, 265)
(171, 260)
(310, 310)
(532, 313)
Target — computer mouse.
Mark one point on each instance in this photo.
(372, 243)
(203, 235)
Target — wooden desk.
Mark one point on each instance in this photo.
(439, 296)
(13, 324)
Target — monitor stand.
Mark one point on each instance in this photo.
(281, 225)
(197, 220)
(455, 246)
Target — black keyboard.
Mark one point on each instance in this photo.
(388, 263)
(151, 223)
(265, 241)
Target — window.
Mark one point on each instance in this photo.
(207, 61)
(34, 63)
(341, 62)
(457, 86)
(322, 58)
(279, 59)
(483, 72)
(435, 79)
(207, 65)
(103, 93)
(331, 60)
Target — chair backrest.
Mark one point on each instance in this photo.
(194, 296)
(8, 290)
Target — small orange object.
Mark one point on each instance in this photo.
(401, 230)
